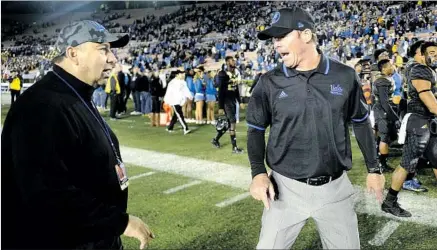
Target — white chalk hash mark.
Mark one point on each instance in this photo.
(179, 188)
(141, 175)
(233, 200)
(385, 233)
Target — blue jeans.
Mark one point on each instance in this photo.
(137, 101)
(103, 97)
(146, 102)
(96, 98)
(99, 98)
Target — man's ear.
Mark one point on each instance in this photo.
(307, 36)
(71, 53)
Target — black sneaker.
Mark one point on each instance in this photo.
(237, 150)
(393, 207)
(215, 143)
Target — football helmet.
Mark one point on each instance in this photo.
(222, 123)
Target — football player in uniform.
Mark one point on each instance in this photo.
(228, 96)
(386, 119)
(421, 137)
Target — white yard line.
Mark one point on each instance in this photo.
(141, 175)
(421, 207)
(382, 235)
(233, 200)
(179, 188)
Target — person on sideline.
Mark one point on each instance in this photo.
(176, 96)
(67, 184)
(308, 102)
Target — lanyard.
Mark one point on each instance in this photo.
(101, 122)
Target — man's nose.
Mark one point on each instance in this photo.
(111, 58)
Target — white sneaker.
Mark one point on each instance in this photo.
(187, 131)
(213, 122)
(208, 122)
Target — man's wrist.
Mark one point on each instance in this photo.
(258, 171)
(374, 168)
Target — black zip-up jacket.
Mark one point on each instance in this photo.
(156, 87)
(60, 186)
(142, 84)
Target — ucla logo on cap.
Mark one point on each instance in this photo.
(98, 26)
(276, 17)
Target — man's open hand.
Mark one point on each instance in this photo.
(136, 228)
(375, 185)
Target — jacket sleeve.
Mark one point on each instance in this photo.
(44, 179)
(258, 117)
(108, 86)
(186, 91)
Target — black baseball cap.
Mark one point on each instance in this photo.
(285, 21)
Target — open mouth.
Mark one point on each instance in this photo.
(107, 72)
(284, 54)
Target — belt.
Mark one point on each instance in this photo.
(318, 181)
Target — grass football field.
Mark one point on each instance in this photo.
(190, 218)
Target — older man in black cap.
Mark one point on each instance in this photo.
(61, 164)
(308, 102)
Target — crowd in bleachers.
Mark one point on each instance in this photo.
(346, 30)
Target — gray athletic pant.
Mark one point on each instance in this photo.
(330, 205)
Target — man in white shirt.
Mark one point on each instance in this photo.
(176, 96)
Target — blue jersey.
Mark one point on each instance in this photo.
(199, 87)
(190, 84)
(210, 89)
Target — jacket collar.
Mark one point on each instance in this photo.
(83, 89)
